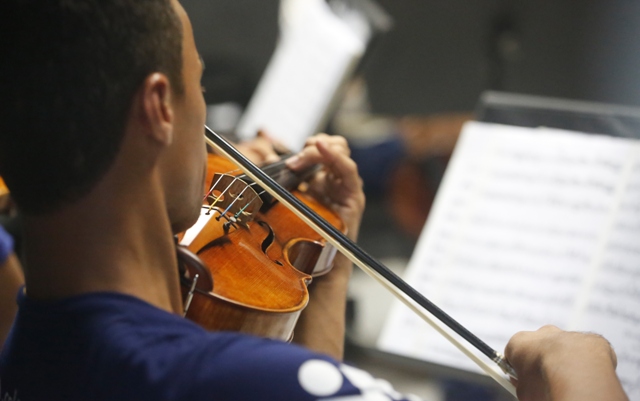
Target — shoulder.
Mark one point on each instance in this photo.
(114, 347)
(197, 364)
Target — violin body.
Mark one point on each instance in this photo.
(260, 262)
(252, 293)
(303, 248)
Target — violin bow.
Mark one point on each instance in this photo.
(418, 303)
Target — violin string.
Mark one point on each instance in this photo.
(222, 193)
(234, 201)
(248, 203)
(267, 168)
(212, 188)
(272, 166)
(279, 174)
(230, 172)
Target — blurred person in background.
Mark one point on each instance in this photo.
(11, 280)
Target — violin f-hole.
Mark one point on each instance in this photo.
(266, 243)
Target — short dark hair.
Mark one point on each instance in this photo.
(68, 74)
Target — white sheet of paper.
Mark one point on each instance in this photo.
(312, 59)
(530, 227)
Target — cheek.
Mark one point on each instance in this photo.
(199, 168)
(200, 174)
(198, 105)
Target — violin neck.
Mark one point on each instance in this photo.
(288, 179)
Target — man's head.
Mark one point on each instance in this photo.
(70, 71)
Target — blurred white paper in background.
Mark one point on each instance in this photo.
(316, 53)
(530, 226)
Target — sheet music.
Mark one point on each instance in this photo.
(314, 56)
(613, 307)
(530, 227)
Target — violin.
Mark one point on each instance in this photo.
(260, 256)
(444, 324)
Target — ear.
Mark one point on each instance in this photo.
(157, 108)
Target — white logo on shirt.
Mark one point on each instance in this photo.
(323, 379)
(319, 378)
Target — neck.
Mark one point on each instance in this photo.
(113, 241)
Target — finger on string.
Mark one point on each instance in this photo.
(342, 169)
(310, 155)
(277, 146)
(319, 188)
(312, 140)
(305, 158)
(264, 146)
(334, 141)
(331, 188)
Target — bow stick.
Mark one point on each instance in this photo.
(427, 310)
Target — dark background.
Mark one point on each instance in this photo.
(442, 54)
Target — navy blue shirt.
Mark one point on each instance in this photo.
(108, 346)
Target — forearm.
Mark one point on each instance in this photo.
(558, 365)
(321, 326)
(590, 378)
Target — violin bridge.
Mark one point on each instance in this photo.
(236, 200)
